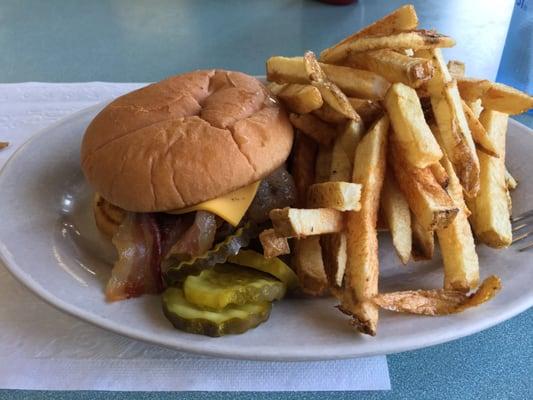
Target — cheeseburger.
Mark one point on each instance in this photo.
(185, 172)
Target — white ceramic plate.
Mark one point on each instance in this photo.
(49, 242)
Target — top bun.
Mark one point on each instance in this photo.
(184, 140)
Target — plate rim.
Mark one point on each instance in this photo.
(256, 354)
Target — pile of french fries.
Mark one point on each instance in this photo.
(390, 135)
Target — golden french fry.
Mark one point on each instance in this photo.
(341, 196)
(393, 66)
(440, 174)
(423, 241)
(299, 222)
(300, 98)
(3, 145)
(416, 40)
(303, 166)
(475, 106)
(510, 181)
(456, 68)
(401, 19)
(396, 212)
(353, 82)
(490, 217)
(273, 245)
(334, 259)
(429, 202)
(368, 110)
(344, 150)
(323, 163)
(438, 301)
(362, 266)
(328, 114)
(307, 260)
(314, 127)
(479, 133)
(330, 92)
(449, 114)
(410, 128)
(461, 265)
(495, 96)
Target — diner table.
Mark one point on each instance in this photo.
(145, 41)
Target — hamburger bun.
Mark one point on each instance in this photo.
(185, 140)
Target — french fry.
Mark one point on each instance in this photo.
(334, 260)
(298, 222)
(344, 150)
(416, 40)
(495, 96)
(490, 217)
(361, 276)
(307, 260)
(330, 92)
(510, 181)
(456, 68)
(479, 133)
(314, 127)
(475, 106)
(396, 212)
(368, 110)
(341, 196)
(323, 164)
(432, 206)
(273, 245)
(393, 66)
(275, 88)
(461, 265)
(423, 241)
(401, 19)
(410, 128)
(334, 245)
(303, 166)
(3, 145)
(438, 301)
(328, 114)
(440, 174)
(353, 82)
(301, 99)
(449, 114)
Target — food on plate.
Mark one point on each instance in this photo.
(3, 145)
(187, 171)
(197, 173)
(490, 213)
(192, 318)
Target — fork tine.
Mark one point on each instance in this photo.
(521, 226)
(527, 247)
(522, 237)
(522, 216)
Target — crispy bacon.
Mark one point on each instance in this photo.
(137, 271)
(198, 238)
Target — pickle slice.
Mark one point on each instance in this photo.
(175, 271)
(193, 319)
(228, 284)
(273, 266)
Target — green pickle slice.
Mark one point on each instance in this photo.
(228, 284)
(273, 266)
(233, 319)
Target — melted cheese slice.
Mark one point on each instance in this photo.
(230, 207)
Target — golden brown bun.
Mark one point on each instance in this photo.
(184, 140)
(107, 216)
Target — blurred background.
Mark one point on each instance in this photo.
(141, 41)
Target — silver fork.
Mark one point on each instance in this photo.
(520, 224)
